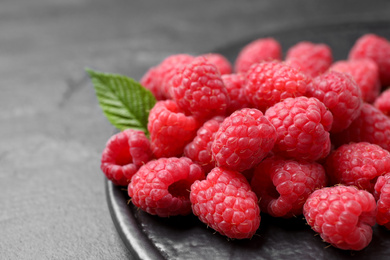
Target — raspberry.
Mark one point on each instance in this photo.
(124, 153)
(199, 90)
(302, 126)
(382, 195)
(284, 185)
(264, 49)
(222, 64)
(370, 126)
(376, 48)
(234, 84)
(169, 67)
(366, 74)
(225, 202)
(340, 94)
(199, 150)
(358, 164)
(271, 82)
(342, 215)
(158, 79)
(382, 102)
(170, 129)
(152, 81)
(243, 140)
(162, 187)
(311, 58)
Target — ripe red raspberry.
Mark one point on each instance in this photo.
(170, 129)
(158, 78)
(223, 65)
(284, 185)
(370, 126)
(169, 67)
(358, 164)
(225, 202)
(302, 126)
(267, 83)
(124, 153)
(152, 81)
(199, 90)
(340, 94)
(376, 48)
(342, 215)
(243, 140)
(199, 150)
(366, 74)
(162, 187)
(382, 102)
(382, 195)
(311, 58)
(264, 49)
(234, 84)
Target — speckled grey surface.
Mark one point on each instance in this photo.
(52, 131)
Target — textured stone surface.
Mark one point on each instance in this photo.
(52, 196)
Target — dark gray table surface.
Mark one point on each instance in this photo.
(52, 131)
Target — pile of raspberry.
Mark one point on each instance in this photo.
(285, 136)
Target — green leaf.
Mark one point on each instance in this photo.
(124, 101)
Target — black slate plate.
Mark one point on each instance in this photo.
(152, 237)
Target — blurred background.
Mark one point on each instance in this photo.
(52, 131)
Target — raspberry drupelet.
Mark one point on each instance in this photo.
(263, 49)
(243, 139)
(358, 164)
(162, 187)
(366, 74)
(123, 154)
(311, 58)
(342, 215)
(170, 129)
(198, 90)
(376, 48)
(226, 203)
(382, 195)
(284, 185)
(199, 149)
(267, 83)
(340, 94)
(302, 126)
